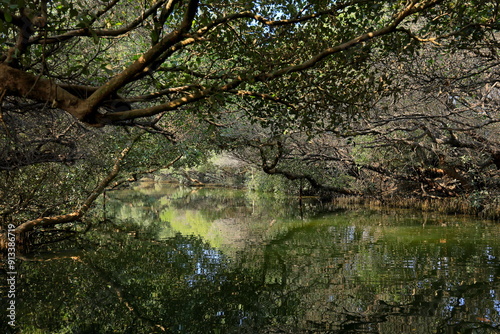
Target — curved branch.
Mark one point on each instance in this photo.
(271, 168)
(86, 110)
(82, 210)
(26, 29)
(89, 32)
(398, 18)
(315, 184)
(160, 93)
(147, 58)
(154, 110)
(172, 105)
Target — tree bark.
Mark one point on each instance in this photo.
(19, 83)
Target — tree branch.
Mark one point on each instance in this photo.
(397, 19)
(89, 32)
(19, 83)
(82, 210)
(147, 58)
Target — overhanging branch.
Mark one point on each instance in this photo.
(82, 210)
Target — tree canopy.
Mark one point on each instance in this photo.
(86, 57)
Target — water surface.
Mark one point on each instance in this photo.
(183, 260)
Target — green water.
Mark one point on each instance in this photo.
(183, 260)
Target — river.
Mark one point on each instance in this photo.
(198, 260)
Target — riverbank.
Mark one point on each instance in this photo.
(473, 205)
(225, 171)
(462, 205)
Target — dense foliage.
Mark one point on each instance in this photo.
(355, 97)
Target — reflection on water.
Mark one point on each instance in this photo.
(179, 260)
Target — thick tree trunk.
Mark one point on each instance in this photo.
(19, 83)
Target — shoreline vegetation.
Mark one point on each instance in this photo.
(481, 204)
(448, 206)
(462, 205)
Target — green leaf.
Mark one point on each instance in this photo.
(8, 17)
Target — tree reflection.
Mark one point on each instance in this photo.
(339, 283)
(340, 274)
